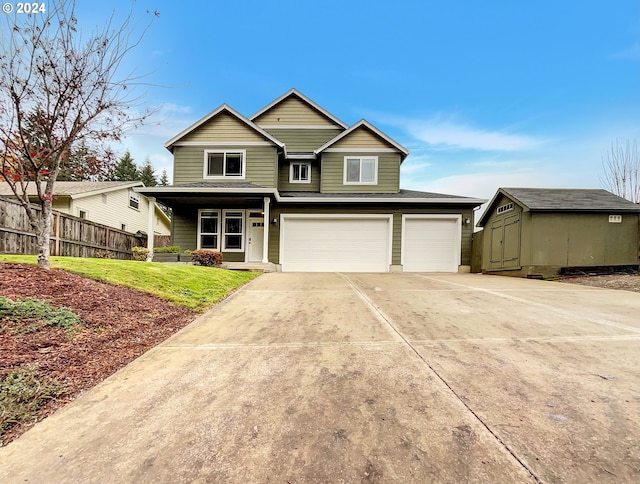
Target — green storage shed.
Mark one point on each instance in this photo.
(542, 231)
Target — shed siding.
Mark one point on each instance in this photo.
(332, 168)
(292, 111)
(285, 186)
(303, 140)
(361, 138)
(261, 164)
(223, 127)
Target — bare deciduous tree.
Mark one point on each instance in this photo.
(59, 90)
(621, 167)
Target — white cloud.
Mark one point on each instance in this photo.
(632, 53)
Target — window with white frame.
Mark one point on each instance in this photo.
(360, 170)
(224, 164)
(300, 173)
(504, 208)
(134, 200)
(233, 230)
(209, 229)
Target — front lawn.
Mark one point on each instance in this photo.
(194, 287)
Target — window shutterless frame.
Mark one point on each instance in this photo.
(233, 230)
(300, 172)
(209, 229)
(360, 170)
(224, 164)
(134, 200)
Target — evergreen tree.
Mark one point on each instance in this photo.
(147, 174)
(126, 169)
(164, 179)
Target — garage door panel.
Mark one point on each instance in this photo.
(431, 245)
(313, 244)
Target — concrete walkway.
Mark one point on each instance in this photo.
(361, 377)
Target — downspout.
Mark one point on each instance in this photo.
(265, 240)
(152, 214)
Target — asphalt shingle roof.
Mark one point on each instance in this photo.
(64, 188)
(565, 199)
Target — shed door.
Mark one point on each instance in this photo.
(505, 243)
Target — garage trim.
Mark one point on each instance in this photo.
(457, 241)
(354, 216)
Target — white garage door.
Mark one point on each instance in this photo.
(325, 244)
(431, 244)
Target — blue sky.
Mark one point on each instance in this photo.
(484, 94)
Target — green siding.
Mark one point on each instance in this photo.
(332, 167)
(304, 140)
(184, 227)
(285, 186)
(261, 164)
(467, 230)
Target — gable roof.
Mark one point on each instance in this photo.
(562, 200)
(364, 123)
(304, 99)
(75, 189)
(224, 108)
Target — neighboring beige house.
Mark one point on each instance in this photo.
(114, 204)
(296, 189)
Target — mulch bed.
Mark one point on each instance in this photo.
(120, 325)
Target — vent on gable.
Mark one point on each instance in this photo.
(504, 208)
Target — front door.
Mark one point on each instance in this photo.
(256, 238)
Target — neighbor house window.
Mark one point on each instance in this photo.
(300, 173)
(134, 200)
(82, 214)
(209, 229)
(224, 164)
(233, 230)
(123, 226)
(361, 170)
(104, 198)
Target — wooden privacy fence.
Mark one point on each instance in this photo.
(70, 236)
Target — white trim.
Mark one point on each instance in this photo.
(224, 177)
(86, 213)
(361, 158)
(136, 197)
(223, 143)
(295, 92)
(298, 156)
(266, 218)
(90, 193)
(224, 232)
(199, 233)
(300, 126)
(360, 150)
(457, 242)
(279, 199)
(307, 164)
(315, 216)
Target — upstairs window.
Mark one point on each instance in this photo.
(361, 170)
(300, 173)
(134, 200)
(224, 164)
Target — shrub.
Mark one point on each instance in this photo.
(103, 254)
(140, 253)
(209, 258)
(32, 314)
(172, 249)
(22, 393)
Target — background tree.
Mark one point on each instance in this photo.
(147, 174)
(85, 164)
(164, 179)
(58, 90)
(621, 167)
(126, 169)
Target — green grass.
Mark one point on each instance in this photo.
(194, 287)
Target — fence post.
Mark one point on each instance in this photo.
(56, 245)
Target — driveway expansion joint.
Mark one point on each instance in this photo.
(387, 320)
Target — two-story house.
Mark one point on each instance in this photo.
(296, 188)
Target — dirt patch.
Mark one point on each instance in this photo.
(120, 324)
(626, 282)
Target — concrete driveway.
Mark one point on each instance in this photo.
(361, 377)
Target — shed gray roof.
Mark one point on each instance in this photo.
(562, 200)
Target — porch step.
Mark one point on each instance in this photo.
(249, 266)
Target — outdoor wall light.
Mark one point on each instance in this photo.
(467, 220)
(274, 221)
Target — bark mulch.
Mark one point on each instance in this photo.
(120, 324)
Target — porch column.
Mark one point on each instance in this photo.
(267, 223)
(152, 214)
